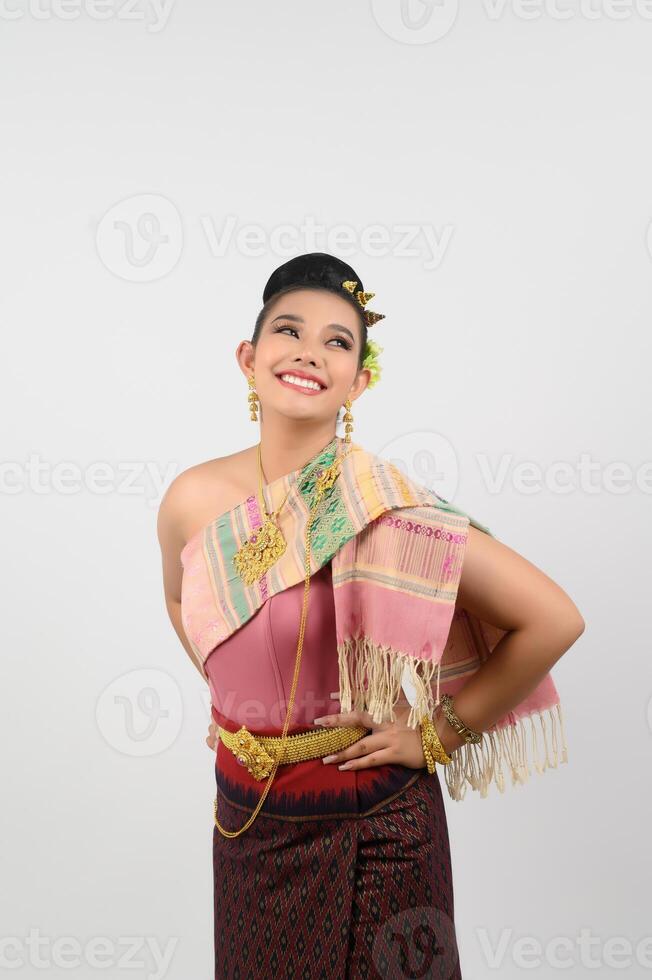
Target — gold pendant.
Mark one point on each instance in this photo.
(249, 753)
(263, 549)
(327, 477)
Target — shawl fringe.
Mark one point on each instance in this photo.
(382, 667)
(376, 673)
(481, 764)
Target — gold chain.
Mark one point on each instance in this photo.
(323, 483)
(266, 544)
(276, 512)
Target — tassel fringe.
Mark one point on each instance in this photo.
(479, 765)
(371, 679)
(382, 667)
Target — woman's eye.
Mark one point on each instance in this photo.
(345, 343)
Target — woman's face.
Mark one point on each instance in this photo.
(309, 332)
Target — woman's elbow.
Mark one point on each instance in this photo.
(574, 619)
(569, 624)
(555, 624)
(576, 625)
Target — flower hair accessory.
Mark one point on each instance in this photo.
(370, 361)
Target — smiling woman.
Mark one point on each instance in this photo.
(312, 341)
(318, 868)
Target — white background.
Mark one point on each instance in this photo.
(518, 137)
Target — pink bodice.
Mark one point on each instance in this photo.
(250, 673)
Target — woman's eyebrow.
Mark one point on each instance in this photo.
(299, 319)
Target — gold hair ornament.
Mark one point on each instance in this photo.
(372, 349)
(363, 299)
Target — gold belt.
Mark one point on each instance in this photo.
(259, 753)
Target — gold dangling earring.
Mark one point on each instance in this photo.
(253, 396)
(348, 421)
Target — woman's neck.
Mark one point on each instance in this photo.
(284, 449)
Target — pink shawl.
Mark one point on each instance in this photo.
(397, 551)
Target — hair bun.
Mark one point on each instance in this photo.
(312, 269)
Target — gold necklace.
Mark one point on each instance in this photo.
(325, 480)
(266, 544)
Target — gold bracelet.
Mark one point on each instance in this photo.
(433, 750)
(427, 754)
(467, 733)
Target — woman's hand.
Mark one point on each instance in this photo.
(388, 743)
(212, 737)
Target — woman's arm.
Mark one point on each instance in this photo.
(541, 622)
(501, 587)
(173, 507)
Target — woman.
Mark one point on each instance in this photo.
(314, 576)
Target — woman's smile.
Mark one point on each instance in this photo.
(300, 384)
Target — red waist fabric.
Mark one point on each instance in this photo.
(301, 790)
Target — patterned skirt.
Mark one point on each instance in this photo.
(334, 893)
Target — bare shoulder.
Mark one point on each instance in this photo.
(200, 493)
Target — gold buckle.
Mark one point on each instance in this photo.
(250, 753)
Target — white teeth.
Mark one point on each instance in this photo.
(301, 382)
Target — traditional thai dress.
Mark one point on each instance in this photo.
(333, 855)
(343, 874)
